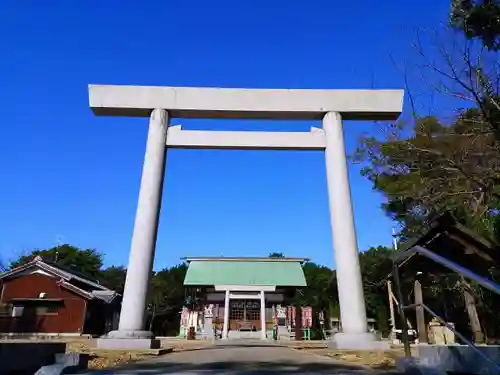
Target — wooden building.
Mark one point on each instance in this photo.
(43, 298)
(244, 296)
(449, 239)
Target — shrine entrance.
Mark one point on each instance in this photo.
(238, 297)
(244, 315)
(161, 104)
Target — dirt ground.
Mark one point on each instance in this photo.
(373, 359)
(101, 359)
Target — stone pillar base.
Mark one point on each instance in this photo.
(358, 341)
(128, 344)
(131, 340)
(130, 334)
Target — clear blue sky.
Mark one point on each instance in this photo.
(68, 173)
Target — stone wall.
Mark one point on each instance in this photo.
(27, 357)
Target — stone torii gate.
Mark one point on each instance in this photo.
(161, 104)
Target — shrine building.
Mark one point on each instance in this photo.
(242, 297)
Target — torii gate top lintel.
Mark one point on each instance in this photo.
(277, 104)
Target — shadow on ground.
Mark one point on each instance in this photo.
(240, 368)
(228, 346)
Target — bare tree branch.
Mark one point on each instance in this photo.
(450, 160)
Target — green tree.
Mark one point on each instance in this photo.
(320, 293)
(114, 278)
(320, 290)
(454, 167)
(85, 261)
(276, 255)
(376, 265)
(166, 298)
(478, 19)
(435, 168)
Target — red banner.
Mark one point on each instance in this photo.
(306, 316)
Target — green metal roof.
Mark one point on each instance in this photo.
(245, 272)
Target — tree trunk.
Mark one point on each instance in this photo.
(153, 315)
(298, 322)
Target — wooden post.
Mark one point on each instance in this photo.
(470, 305)
(419, 300)
(391, 308)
